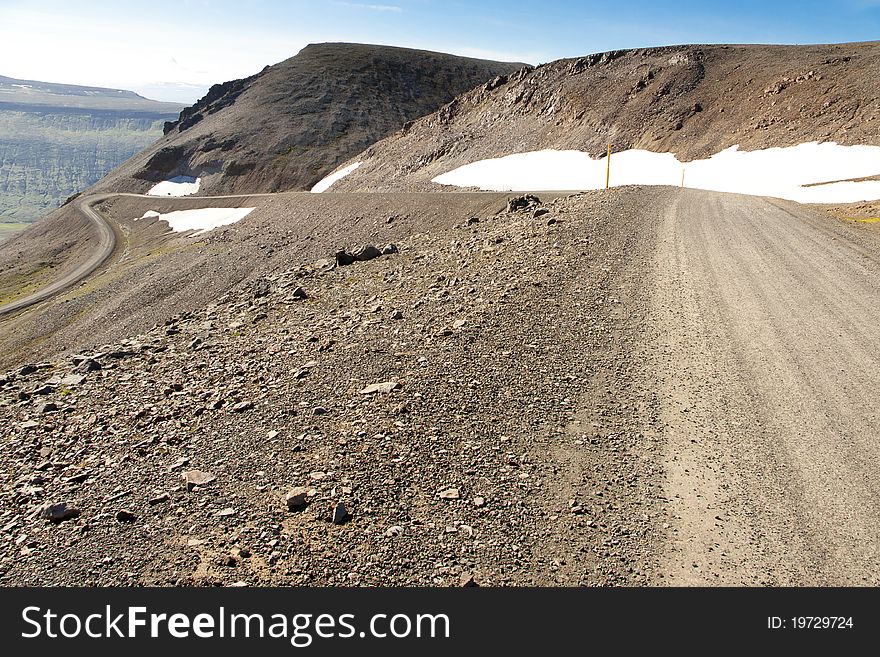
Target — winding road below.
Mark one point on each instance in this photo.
(105, 248)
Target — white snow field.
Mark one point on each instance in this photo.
(177, 186)
(806, 173)
(326, 182)
(201, 220)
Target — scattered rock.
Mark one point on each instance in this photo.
(124, 515)
(72, 380)
(195, 478)
(467, 581)
(299, 293)
(449, 494)
(390, 249)
(343, 258)
(397, 314)
(525, 202)
(48, 407)
(303, 371)
(59, 511)
(297, 498)
(366, 252)
(242, 406)
(261, 288)
(319, 410)
(159, 499)
(340, 514)
(89, 365)
(385, 387)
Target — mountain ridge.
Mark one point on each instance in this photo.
(287, 126)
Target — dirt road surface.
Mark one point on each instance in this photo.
(766, 350)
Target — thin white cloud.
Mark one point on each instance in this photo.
(359, 5)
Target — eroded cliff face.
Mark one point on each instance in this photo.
(291, 124)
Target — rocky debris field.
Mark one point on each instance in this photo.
(466, 407)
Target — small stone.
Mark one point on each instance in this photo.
(49, 407)
(473, 220)
(72, 380)
(226, 513)
(303, 371)
(385, 387)
(449, 494)
(319, 410)
(479, 502)
(457, 324)
(551, 221)
(397, 314)
(89, 365)
(242, 406)
(540, 211)
(124, 515)
(395, 530)
(299, 293)
(159, 499)
(195, 478)
(59, 511)
(343, 258)
(297, 498)
(467, 581)
(389, 249)
(366, 252)
(340, 514)
(28, 424)
(44, 390)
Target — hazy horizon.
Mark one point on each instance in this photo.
(174, 51)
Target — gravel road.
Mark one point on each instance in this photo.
(766, 339)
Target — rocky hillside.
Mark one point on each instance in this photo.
(56, 140)
(434, 416)
(690, 100)
(288, 126)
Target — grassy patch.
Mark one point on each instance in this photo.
(864, 220)
(11, 229)
(21, 284)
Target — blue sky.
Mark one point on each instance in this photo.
(175, 50)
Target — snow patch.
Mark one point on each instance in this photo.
(806, 173)
(177, 186)
(201, 220)
(326, 182)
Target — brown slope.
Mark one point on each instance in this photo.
(288, 126)
(690, 100)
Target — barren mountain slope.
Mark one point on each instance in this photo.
(156, 273)
(690, 100)
(506, 448)
(289, 125)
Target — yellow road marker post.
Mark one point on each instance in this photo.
(608, 168)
